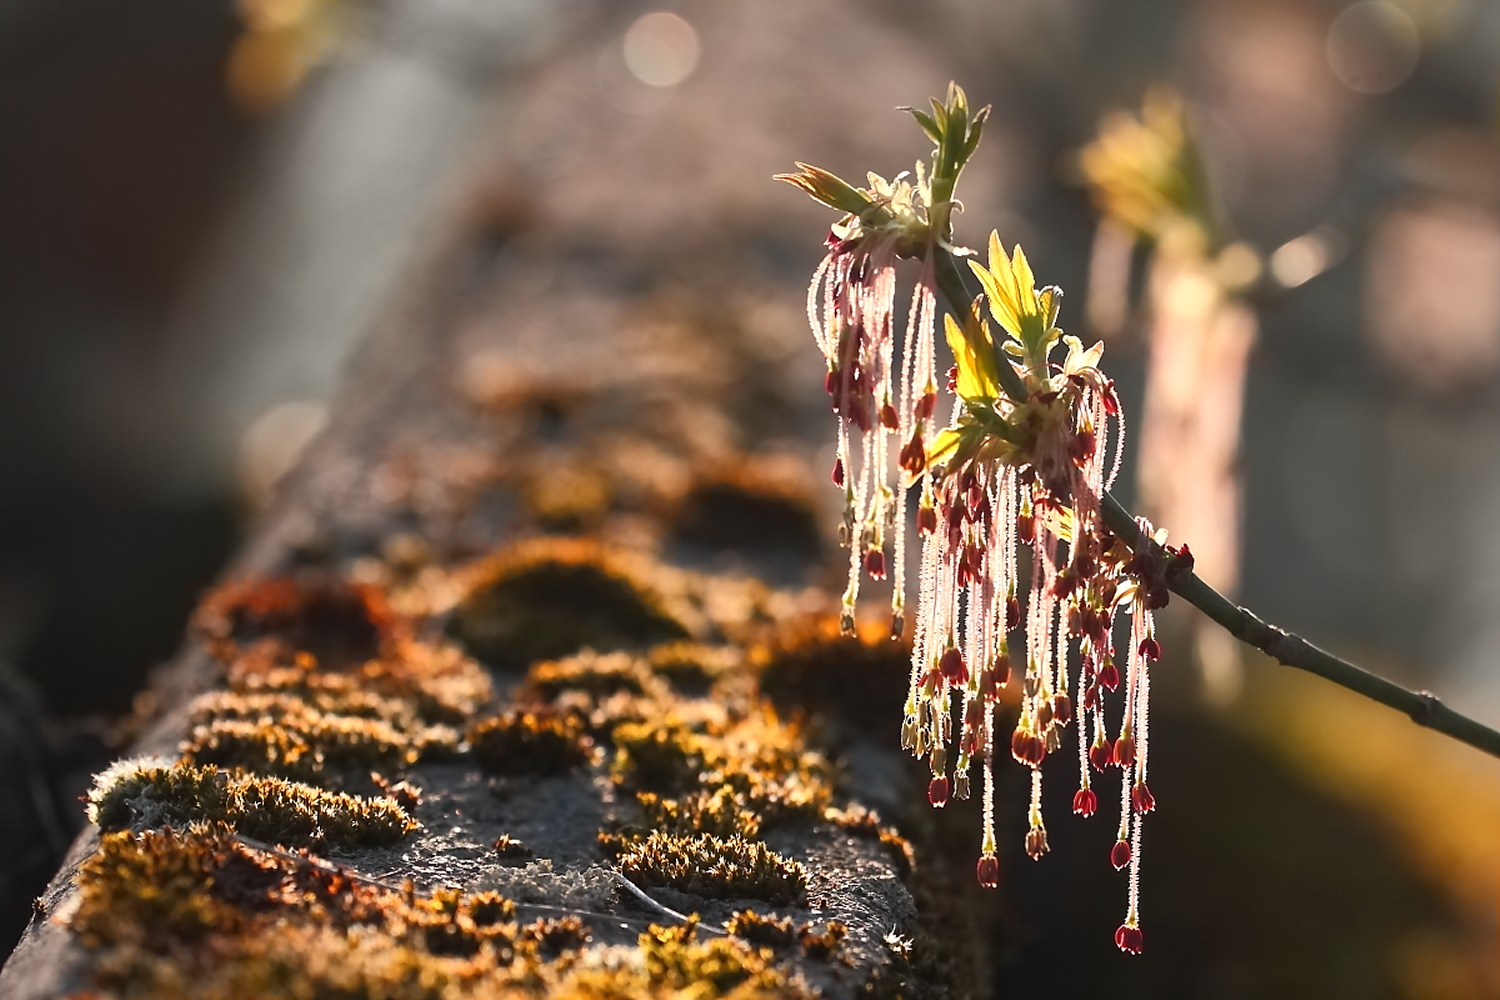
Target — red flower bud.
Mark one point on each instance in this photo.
(1082, 447)
(875, 564)
(1000, 675)
(1111, 401)
(1124, 753)
(913, 457)
(988, 871)
(1130, 939)
(1062, 710)
(1012, 613)
(888, 416)
(1099, 756)
(1085, 802)
(926, 406)
(1150, 649)
(1109, 677)
(926, 519)
(1027, 748)
(838, 473)
(1142, 799)
(1026, 528)
(1036, 843)
(1119, 855)
(937, 791)
(952, 666)
(831, 381)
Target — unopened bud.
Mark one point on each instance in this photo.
(988, 871)
(926, 406)
(1027, 748)
(952, 667)
(926, 519)
(888, 416)
(913, 457)
(1119, 855)
(1124, 752)
(1012, 613)
(961, 785)
(1142, 799)
(937, 791)
(1062, 710)
(1036, 843)
(838, 473)
(1109, 677)
(1129, 939)
(875, 564)
(898, 626)
(1150, 648)
(846, 623)
(1100, 756)
(831, 381)
(1085, 802)
(1026, 528)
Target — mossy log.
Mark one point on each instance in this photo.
(505, 695)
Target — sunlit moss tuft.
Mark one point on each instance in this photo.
(269, 809)
(518, 742)
(723, 868)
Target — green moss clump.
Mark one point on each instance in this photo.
(595, 675)
(338, 622)
(551, 936)
(531, 743)
(693, 668)
(763, 929)
(863, 822)
(269, 809)
(722, 812)
(719, 967)
(723, 868)
(306, 744)
(822, 944)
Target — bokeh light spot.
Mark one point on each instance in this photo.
(661, 49)
(1373, 47)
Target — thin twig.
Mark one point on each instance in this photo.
(1422, 707)
(640, 894)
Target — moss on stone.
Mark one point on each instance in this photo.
(714, 867)
(520, 742)
(269, 809)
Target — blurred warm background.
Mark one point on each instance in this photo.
(205, 207)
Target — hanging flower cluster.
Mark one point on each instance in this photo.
(1018, 572)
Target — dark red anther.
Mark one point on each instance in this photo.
(1129, 939)
(952, 667)
(1150, 648)
(888, 416)
(926, 519)
(926, 406)
(1182, 560)
(1100, 755)
(937, 791)
(913, 457)
(953, 378)
(1124, 751)
(1142, 799)
(1092, 699)
(1002, 670)
(1109, 677)
(1082, 447)
(1012, 613)
(1111, 401)
(979, 509)
(875, 564)
(1027, 748)
(988, 871)
(1036, 843)
(1085, 802)
(1026, 528)
(1062, 710)
(1119, 855)
(831, 381)
(838, 473)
